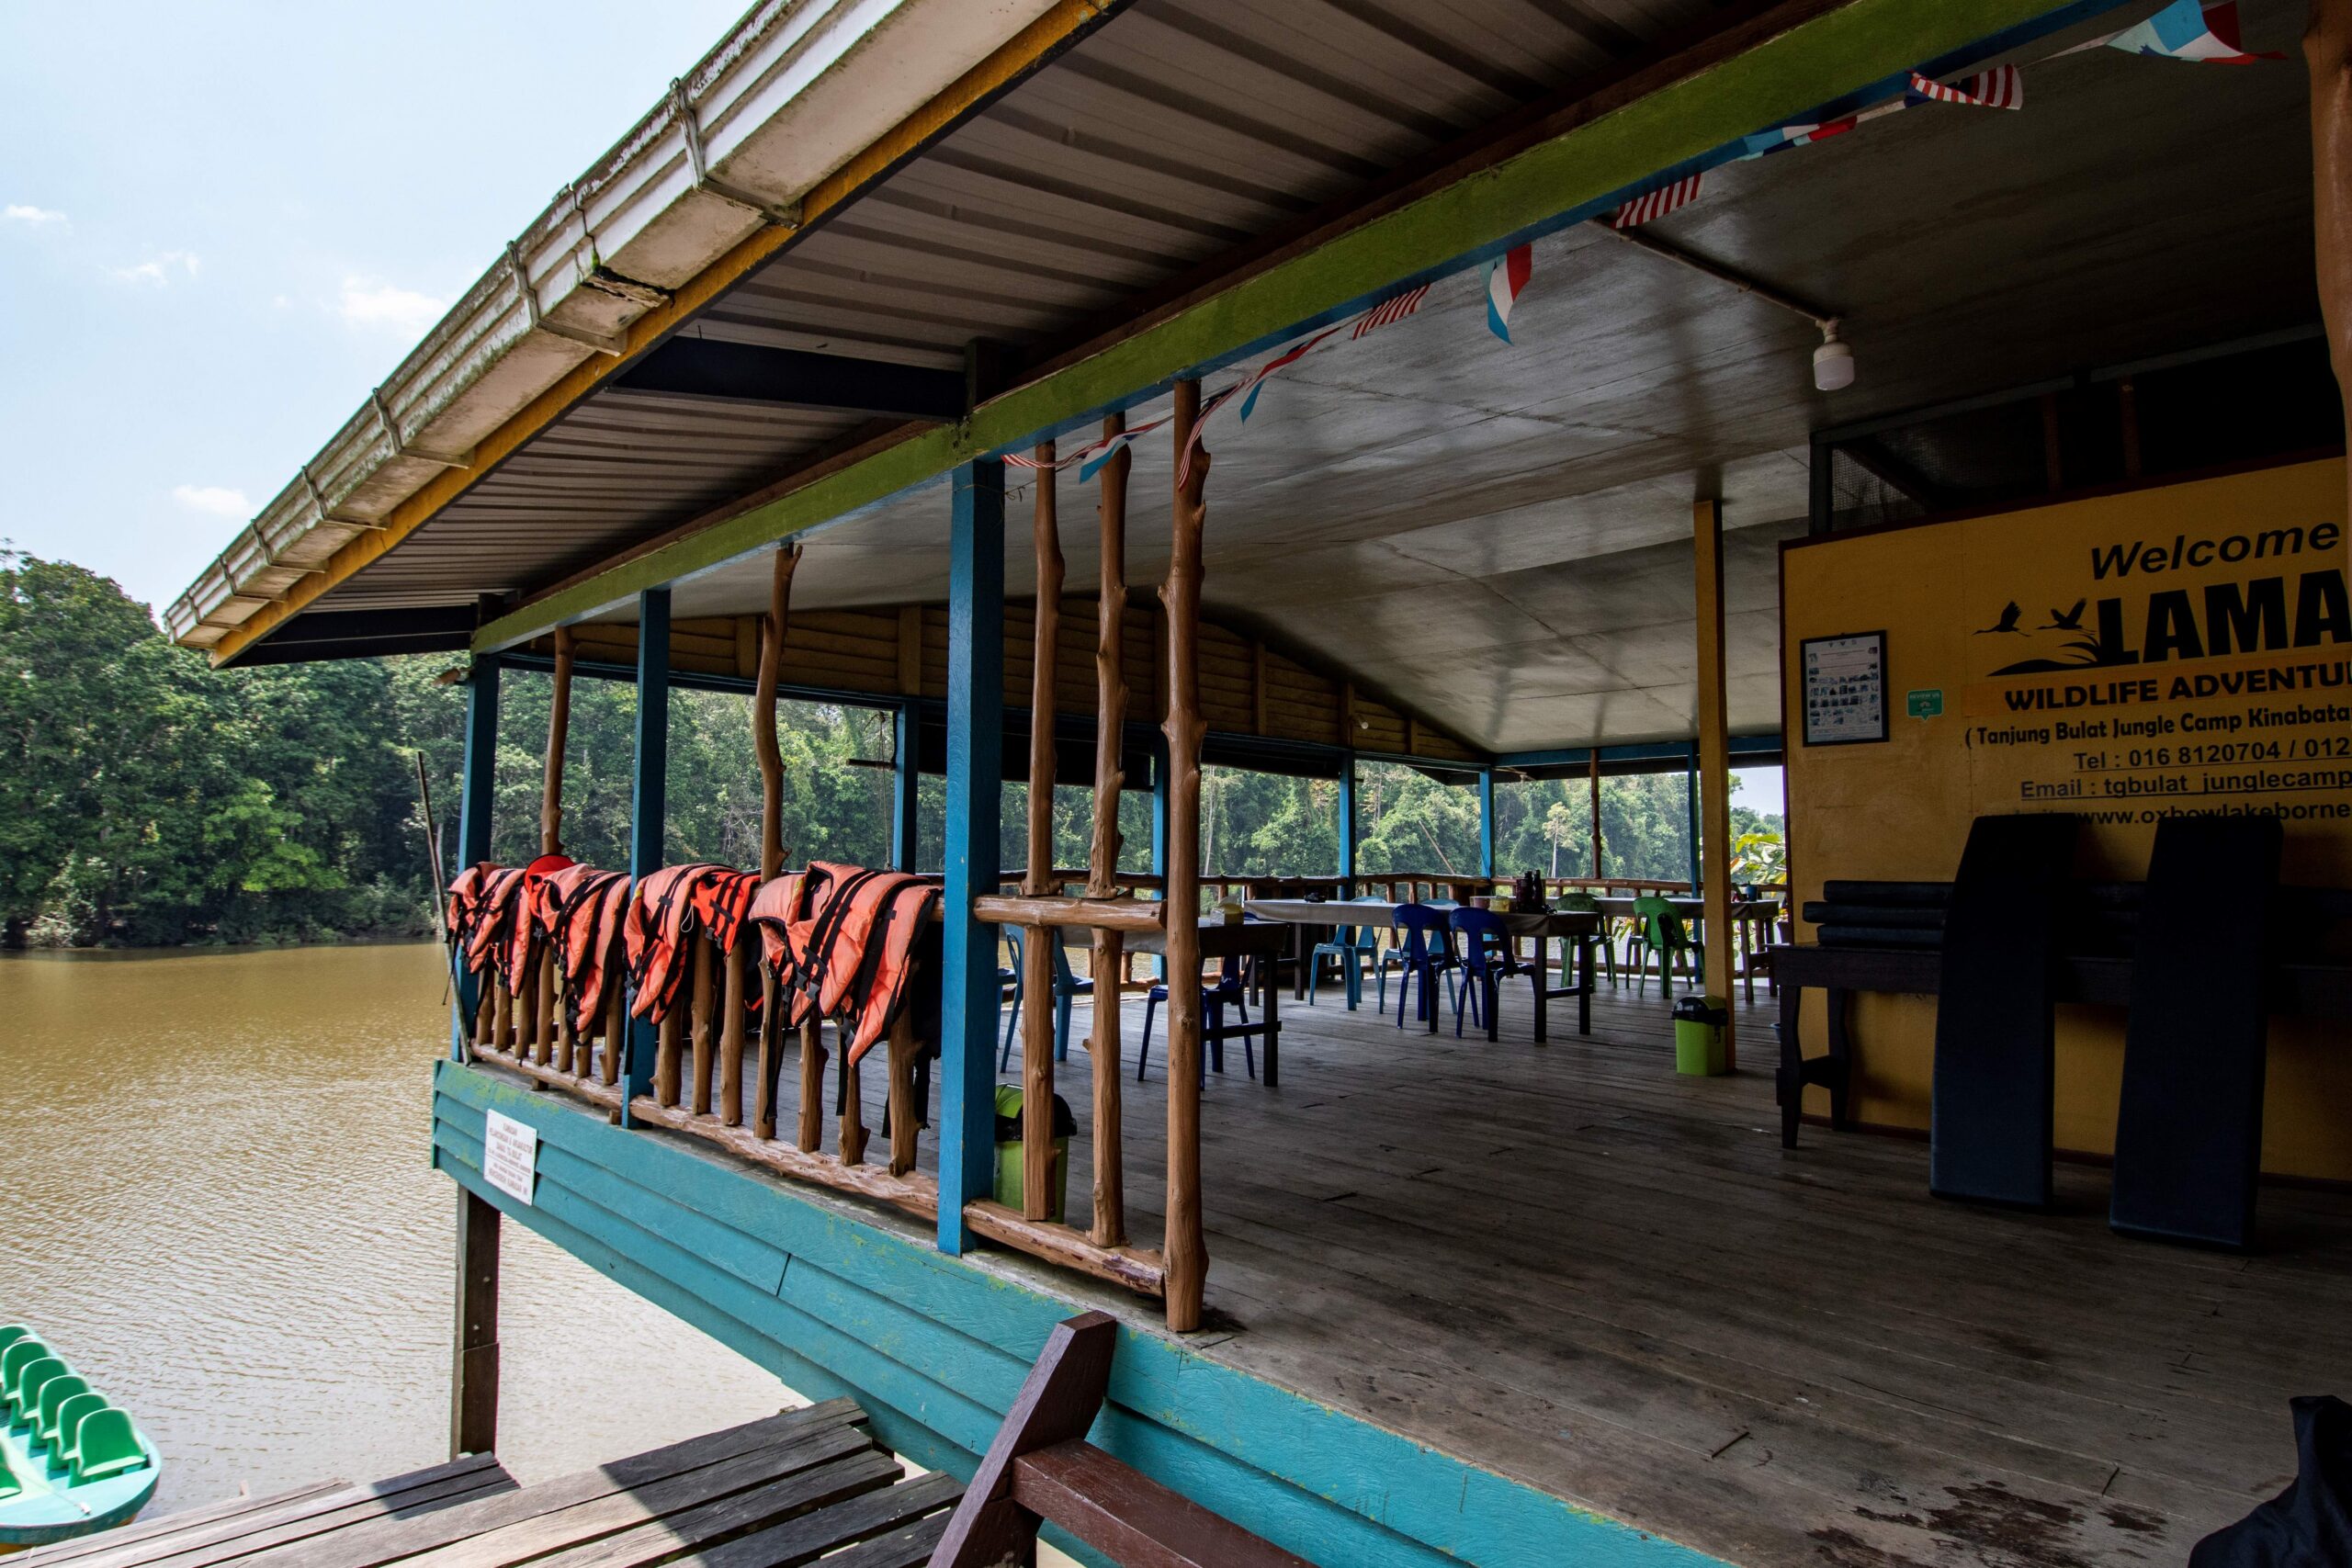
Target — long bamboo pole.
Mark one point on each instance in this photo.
(1103, 864)
(1037, 955)
(1186, 1245)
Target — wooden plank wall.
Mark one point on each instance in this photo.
(1247, 688)
(935, 1349)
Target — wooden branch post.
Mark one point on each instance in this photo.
(812, 1085)
(2327, 52)
(473, 1374)
(558, 731)
(1593, 773)
(764, 742)
(734, 1003)
(1714, 761)
(1037, 969)
(771, 759)
(1186, 1244)
(1103, 861)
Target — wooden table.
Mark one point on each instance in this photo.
(1243, 939)
(1573, 926)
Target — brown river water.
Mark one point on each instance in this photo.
(216, 1200)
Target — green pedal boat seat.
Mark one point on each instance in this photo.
(36, 1376)
(69, 1418)
(54, 1394)
(23, 1353)
(106, 1444)
(12, 1332)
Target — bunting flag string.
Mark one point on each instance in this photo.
(1504, 278)
(2003, 87)
(2184, 29)
(2187, 31)
(1657, 203)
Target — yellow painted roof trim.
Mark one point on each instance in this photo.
(1027, 49)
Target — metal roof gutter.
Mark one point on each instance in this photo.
(802, 103)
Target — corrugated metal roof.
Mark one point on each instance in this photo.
(1177, 132)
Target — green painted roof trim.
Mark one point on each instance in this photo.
(1580, 172)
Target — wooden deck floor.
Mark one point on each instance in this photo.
(785, 1491)
(1567, 1264)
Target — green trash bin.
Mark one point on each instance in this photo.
(1699, 1035)
(1009, 1162)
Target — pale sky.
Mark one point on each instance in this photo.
(221, 224)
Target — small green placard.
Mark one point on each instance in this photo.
(1924, 704)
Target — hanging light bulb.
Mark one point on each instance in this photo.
(1833, 362)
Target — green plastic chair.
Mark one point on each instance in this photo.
(54, 1393)
(9, 1484)
(1657, 928)
(13, 1361)
(35, 1375)
(69, 1420)
(106, 1444)
(1578, 902)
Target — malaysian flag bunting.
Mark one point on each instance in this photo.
(1505, 276)
(2003, 87)
(1394, 309)
(1087, 460)
(1209, 405)
(1254, 383)
(2185, 30)
(1092, 458)
(1656, 204)
(1781, 138)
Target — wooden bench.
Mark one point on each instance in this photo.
(1041, 1469)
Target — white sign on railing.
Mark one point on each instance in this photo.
(510, 1154)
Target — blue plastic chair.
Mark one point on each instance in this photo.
(1066, 985)
(1486, 958)
(1216, 995)
(1426, 953)
(1350, 947)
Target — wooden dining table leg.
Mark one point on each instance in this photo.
(1585, 955)
(1270, 1014)
(1542, 961)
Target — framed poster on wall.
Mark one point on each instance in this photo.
(1845, 688)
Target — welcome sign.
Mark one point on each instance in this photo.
(2178, 649)
(2128, 658)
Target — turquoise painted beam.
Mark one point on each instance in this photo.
(476, 786)
(1609, 147)
(1347, 811)
(1485, 821)
(935, 1348)
(969, 995)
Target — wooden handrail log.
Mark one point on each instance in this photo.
(1131, 1268)
(915, 1191)
(1070, 914)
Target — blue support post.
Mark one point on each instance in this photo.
(969, 997)
(906, 791)
(1691, 809)
(1486, 822)
(1348, 821)
(476, 783)
(648, 805)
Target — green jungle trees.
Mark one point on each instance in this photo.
(147, 799)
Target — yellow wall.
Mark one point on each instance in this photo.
(2170, 725)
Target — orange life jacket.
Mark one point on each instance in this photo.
(842, 940)
(581, 909)
(483, 903)
(671, 906)
(526, 922)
